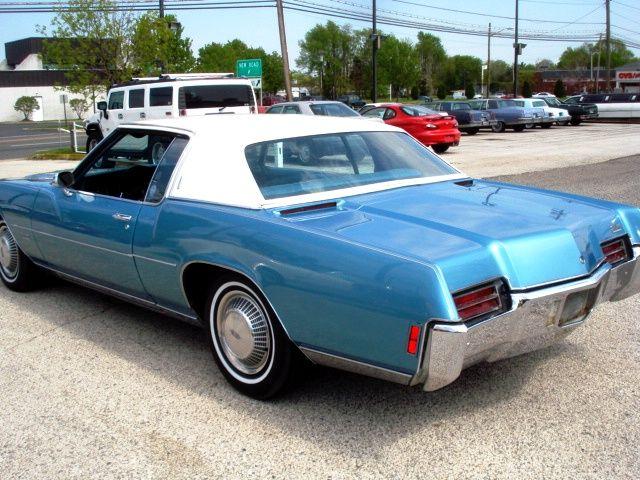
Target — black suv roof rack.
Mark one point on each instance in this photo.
(173, 77)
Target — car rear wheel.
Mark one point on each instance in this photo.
(576, 121)
(440, 147)
(518, 128)
(472, 131)
(249, 346)
(499, 127)
(17, 272)
(529, 126)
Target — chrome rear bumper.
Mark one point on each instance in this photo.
(533, 322)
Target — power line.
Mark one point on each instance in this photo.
(536, 20)
(628, 6)
(580, 18)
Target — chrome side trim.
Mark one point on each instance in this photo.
(342, 363)
(122, 295)
(108, 250)
(155, 260)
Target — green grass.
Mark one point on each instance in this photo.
(57, 154)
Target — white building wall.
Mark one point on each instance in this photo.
(52, 107)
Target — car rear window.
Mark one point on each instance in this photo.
(161, 96)
(215, 96)
(418, 111)
(320, 163)
(333, 110)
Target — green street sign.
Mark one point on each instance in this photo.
(251, 68)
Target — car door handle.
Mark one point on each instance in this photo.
(120, 116)
(121, 217)
(143, 115)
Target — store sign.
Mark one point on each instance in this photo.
(628, 76)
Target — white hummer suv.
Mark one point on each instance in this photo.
(169, 96)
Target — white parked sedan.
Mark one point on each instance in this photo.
(326, 108)
(560, 115)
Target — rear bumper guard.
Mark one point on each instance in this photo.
(537, 319)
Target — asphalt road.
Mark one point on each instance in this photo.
(22, 139)
(93, 387)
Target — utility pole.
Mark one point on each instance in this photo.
(374, 55)
(283, 49)
(516, 48)
(598, 69)
(608, 6)
(161, 8)
(488, 61)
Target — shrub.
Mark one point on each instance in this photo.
(526, 89)
(442, 92)
(470, 91)
(415, 92)
(79, 105)
(558, 89)
(26, 105)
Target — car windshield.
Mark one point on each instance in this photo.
(320, 163)
(333, 110)
(418, 111)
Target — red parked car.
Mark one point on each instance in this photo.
(430, 127)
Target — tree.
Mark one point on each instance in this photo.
(79, 105)
(432, 57)
(526, 89)
(558, 89)
(26, 105)
(328, 48)
(399, 64)
(579, 58)
(92, 42)
(157, 48)
(501, 75)
(470, 91)
(221, 58)
(460, 71)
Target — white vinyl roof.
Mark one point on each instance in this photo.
(214, 169)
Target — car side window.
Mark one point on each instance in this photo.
(291, 109)
(136, 98)
(125, 165)
(492, 104)
(276, 109)
(161, 96)
(374, 112)
(388, 114)
(116, 100)
(162, 175)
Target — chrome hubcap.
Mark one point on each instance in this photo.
(244, 332)
(8, 253)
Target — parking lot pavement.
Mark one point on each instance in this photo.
(22, 139)
(488, 154)
(93, 387)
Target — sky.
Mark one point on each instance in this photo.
(258, 27)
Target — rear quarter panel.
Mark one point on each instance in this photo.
(16, 206)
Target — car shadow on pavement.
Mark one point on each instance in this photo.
(326, 406)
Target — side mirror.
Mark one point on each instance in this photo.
(64, 179)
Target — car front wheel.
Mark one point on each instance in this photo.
(17, 272)
(499, 127)
(249, 346)
(92, 141)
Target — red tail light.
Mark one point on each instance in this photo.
(183, 112)
(414, 338)
(477, 302)
(615, 251)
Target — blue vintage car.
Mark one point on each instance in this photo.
(509, 115)
(388, 261)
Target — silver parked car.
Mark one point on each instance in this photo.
(308, 107)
